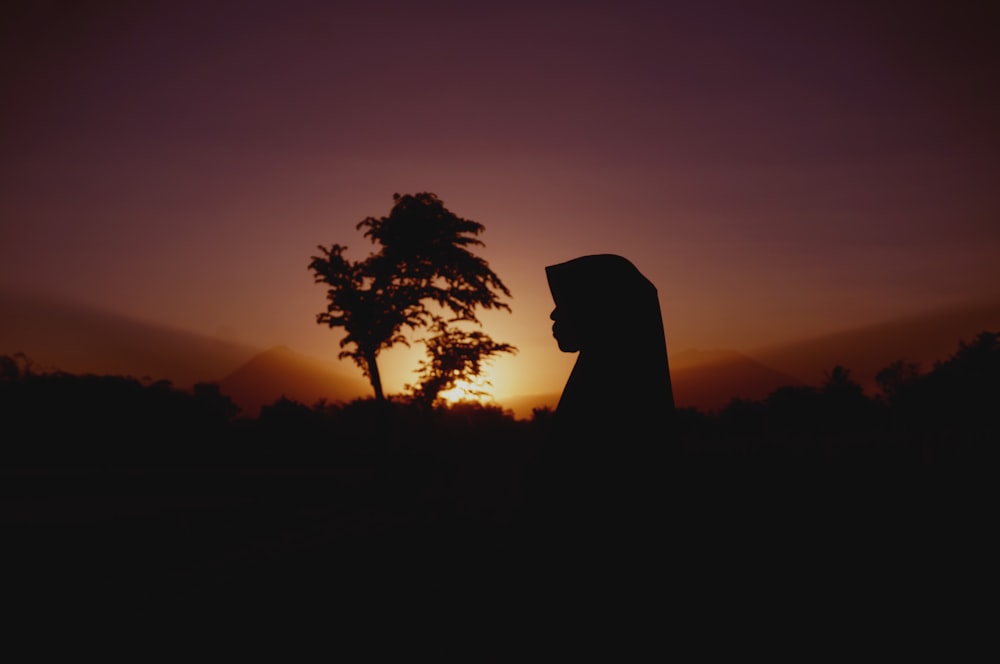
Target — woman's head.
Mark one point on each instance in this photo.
(598, 298)
(609, 312)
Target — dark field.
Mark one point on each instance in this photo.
(818, 508)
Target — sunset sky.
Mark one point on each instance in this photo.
(777, 169)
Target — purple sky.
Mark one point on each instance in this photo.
(776, 169)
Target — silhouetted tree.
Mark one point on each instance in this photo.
(15, 366)
(895, 377)
(8, 368)
(844, 400)
(423, 272)
(744, 415)
(839, 381)
(215, 405)
(965, 388)
(794, 408)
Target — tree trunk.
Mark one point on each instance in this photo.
(374, 376)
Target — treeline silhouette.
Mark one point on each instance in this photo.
(63, 420)
(116, 480)
(58, 419)
(933, 416)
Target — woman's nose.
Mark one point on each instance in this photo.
(553, 314)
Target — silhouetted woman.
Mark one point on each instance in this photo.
(610, 313)
(593, 524)
(598, 489)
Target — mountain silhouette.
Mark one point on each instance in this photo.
(709, 379)
(922, 338)
(281, 372)
(66, 336)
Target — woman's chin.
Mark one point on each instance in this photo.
(567, 346)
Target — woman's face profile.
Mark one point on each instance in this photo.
(567, 330)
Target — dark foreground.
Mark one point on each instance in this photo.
(819, 520)
(774, 546)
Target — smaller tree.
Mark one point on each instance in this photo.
(840, 386)
(453, 355)
(844, 400)
(895, 378)
(13, 367)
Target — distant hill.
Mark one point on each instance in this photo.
(708, 380)
(282, 372)
(59, 335)
(924, 338)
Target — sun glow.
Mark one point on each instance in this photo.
(476, 391)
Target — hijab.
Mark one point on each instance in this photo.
(620, 384)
